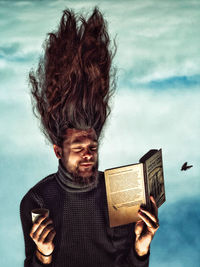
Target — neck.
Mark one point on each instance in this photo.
(69, 183)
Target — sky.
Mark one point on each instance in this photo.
(156, 105)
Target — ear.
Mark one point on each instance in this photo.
(58, 151)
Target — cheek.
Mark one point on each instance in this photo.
(95, 156)
(68, 159)
(73, 159)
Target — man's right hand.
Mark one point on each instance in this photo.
(43, 234)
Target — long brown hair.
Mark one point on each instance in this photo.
(74, 80)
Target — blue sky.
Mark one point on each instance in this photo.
(156, 105)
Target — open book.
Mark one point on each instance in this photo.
(128, 187)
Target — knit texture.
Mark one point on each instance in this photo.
(83, 236)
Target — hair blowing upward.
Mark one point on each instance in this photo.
(73, 83)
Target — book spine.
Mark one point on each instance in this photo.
(146, 187)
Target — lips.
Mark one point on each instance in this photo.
(86, 164)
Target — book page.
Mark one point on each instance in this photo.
(155, 177)
(125, 193)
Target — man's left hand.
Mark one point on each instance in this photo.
(146, 228)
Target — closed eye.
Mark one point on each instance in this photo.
(77, 149)
(93, 148)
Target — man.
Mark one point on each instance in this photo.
(71, 90)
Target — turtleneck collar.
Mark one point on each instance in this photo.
(66, 181)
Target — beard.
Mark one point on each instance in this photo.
(81, 178)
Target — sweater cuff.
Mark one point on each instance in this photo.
(139, 261)
(37, 263)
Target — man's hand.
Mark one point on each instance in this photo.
(146, 228)
(43, 234)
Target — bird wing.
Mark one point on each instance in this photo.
(184, 166)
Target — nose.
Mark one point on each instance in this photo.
(87, 154)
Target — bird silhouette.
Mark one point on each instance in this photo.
(185, 166)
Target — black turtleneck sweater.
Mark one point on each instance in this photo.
(80, 216)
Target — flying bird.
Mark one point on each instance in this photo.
(185, 167)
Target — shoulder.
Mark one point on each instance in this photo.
(34, 195)
(44, 184)
(101, 175)
(101, 179)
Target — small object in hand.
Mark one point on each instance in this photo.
(38, 212)
(185, 167)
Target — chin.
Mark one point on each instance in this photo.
(87, 176)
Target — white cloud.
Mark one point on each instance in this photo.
(158, 40)
(142, 120)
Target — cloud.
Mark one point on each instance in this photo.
(146, 119)
(9, 49)
(176, 82)
(179, 224)
(157, 40)
(160, 40)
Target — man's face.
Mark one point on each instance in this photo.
(79, 154)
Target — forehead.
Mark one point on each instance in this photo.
(75, 135)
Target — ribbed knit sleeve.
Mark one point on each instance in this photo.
(123, 239)
(28, 203)
(133, 258)
(137, 261)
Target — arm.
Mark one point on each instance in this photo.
(33, 257)
(43, 234)
(123, 238)
(134, 260)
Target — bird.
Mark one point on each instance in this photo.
(185, 166)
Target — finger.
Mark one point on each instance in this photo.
(150, 223)
(154, 206)
(37, 223)
(41, 227)
(50, 236)
(148, 214)
(40, 218)
(45, 232)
